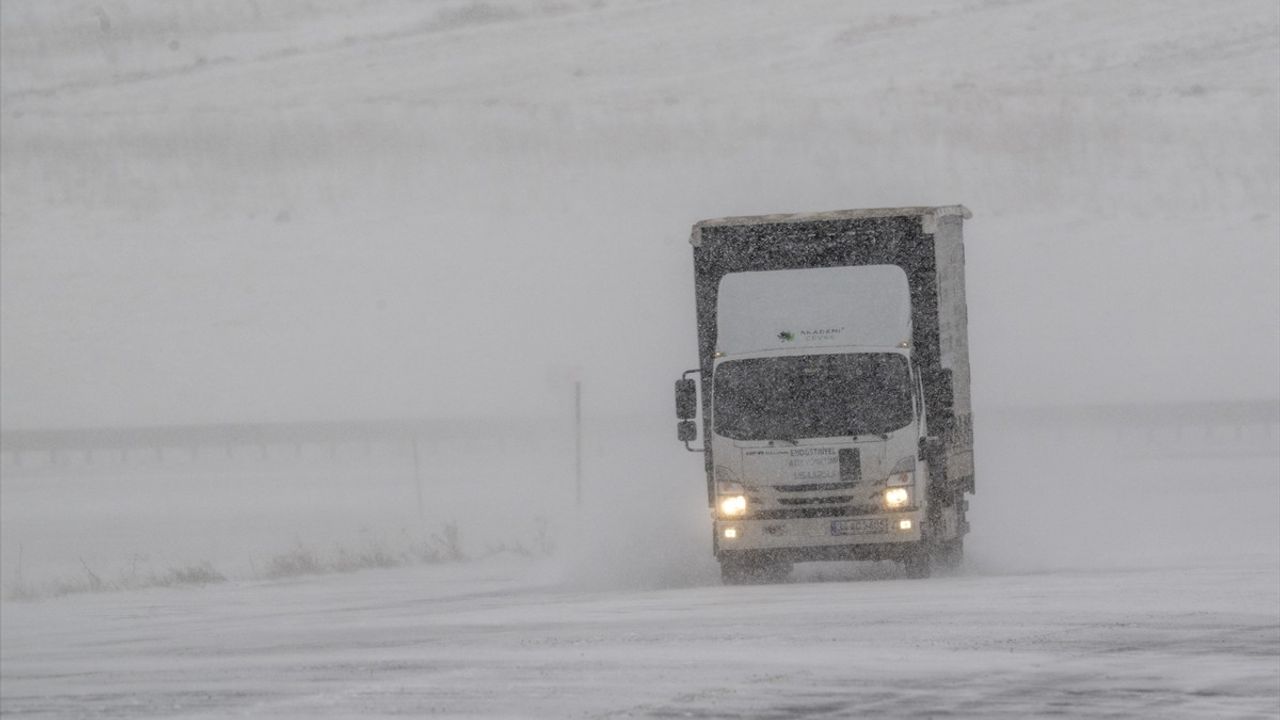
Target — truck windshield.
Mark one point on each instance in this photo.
(799, 396)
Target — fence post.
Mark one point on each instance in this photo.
(577, 444)
(417, 477)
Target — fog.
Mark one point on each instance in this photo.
(242, 212)
(301, 302)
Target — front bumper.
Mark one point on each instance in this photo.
(828, 532)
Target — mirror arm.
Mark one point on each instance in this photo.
(684, 376)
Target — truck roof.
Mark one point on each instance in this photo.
(930, 214)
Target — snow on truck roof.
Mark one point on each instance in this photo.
(929, 214)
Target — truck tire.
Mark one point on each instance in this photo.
(949, 556)
(733, 572)
(775, 571)
(753, 571)
(919, 564)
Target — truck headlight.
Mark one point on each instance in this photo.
(897, 497)
(733, 505)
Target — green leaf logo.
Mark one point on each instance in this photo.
(786, 336)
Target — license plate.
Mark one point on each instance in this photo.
(860, 526)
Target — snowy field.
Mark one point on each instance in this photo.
(249, 211)
(1129, 585)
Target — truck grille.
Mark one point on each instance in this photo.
(810, 500)
(814, 487)
(806, 512)
(830, 500)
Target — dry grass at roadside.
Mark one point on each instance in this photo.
(444, 546)
(90, 581)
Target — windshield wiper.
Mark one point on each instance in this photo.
(856, 434)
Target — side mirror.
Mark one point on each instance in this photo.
(686, 431)
(686, 399)
(687, 410)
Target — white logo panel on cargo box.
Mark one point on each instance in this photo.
(867, 306)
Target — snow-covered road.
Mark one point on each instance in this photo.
(502, 640)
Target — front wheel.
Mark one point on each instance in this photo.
(950, 555)
(753, 570)
(919, 564)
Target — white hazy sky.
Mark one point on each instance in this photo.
(222, 211)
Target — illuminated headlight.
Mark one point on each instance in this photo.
(731, 533)
(897, 497)
(733, 505)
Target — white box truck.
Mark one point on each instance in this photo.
(834, 375)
